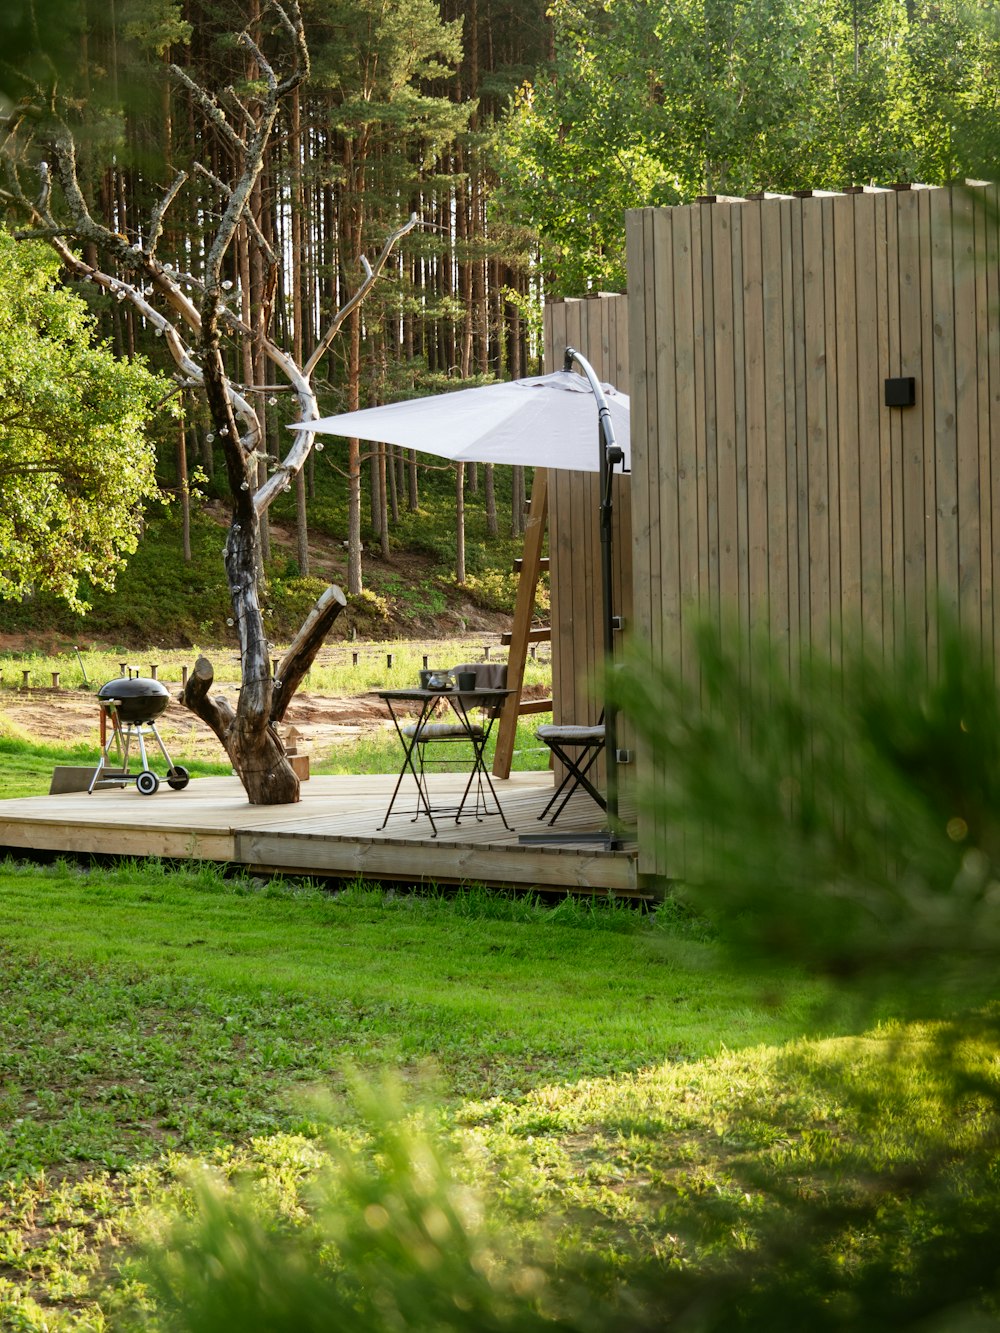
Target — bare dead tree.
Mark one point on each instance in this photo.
(192, 312)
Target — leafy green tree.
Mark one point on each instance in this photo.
(652, 104)
(76, 464)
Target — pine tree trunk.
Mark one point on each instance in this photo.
(491, 502)
(392, 469)
(413, 495)
(517, 503)
(383, 516)
(460, 523)
(184, 491)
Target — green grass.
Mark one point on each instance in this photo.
(146, 1013)
(27, 765)
(603, 1086)
(333, 672)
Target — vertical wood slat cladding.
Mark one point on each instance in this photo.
(779, 493)
(598, 328)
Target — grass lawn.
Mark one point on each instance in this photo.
(593, 1066)
(28, 764)
(145, 1013)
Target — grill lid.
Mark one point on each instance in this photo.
(139, 699)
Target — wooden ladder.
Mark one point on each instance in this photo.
(522, 633)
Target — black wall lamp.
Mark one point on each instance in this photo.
(901, 392)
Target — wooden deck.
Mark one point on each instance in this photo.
(333, 831)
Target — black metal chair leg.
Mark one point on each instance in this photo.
(575, 777)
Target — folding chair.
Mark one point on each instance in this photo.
(587, 742)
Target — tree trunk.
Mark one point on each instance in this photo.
(383, 511)
(248, 733)
(460, 523)
(517, 503)
(392, 468)
(184, 491)
(301, 524)
(298, 312)
(491, 502)
(253, 746)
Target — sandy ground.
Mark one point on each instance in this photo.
(59, 716)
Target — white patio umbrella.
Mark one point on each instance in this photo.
(541, 421)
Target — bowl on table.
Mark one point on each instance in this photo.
(435, 680)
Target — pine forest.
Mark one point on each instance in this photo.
(513, 135)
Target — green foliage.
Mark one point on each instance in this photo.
(654, 104)
(75, 464)
(844, 816)
(391, 1241)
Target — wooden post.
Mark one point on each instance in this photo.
(55, 680)
(27, 678)
(184, 675)
(534, 537)
(388, 660)
(121, 668)
(153, 668)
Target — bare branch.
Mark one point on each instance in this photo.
(216, 712)
(236, 104)
(372, 272)
(45, 193)
(179, 350)
(157, 215)
(303, 649)
(246, 40)
(42, 233)
(301, 379)
(261, 240)
(296, 32)
(209, 105)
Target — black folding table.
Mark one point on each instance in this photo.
(412, 734)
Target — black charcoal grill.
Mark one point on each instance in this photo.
(132, 704)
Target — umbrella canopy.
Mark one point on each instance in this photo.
(542, 421)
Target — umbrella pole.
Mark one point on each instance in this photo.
(610, 707)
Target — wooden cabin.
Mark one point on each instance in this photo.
(815, 385)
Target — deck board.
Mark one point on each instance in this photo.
(333, 830)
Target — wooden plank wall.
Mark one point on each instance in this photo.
(598, 328)
(773, 486)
